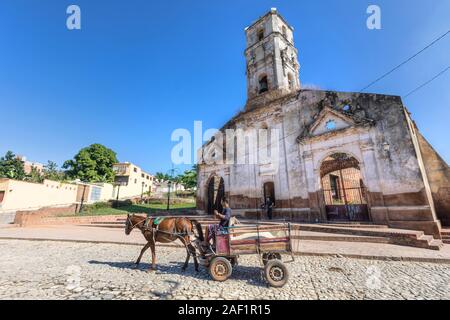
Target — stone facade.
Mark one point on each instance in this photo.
(371, 133)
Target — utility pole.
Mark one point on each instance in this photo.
(117, 198)
(168, 196)
(171, 172)
(82, 198)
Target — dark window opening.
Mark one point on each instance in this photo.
(260, 35)
(263, 85)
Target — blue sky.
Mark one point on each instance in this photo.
(139, 69)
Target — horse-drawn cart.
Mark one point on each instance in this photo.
(269, 242)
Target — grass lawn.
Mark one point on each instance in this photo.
(136, 208)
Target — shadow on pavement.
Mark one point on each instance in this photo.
(250, 275)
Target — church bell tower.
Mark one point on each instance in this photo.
(272, 63)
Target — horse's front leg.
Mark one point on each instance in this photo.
(188, 254)
(138, 261)
(194, 255)
(186, 263)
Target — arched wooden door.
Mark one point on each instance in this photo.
(343, 189)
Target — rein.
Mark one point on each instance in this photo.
(133, 225)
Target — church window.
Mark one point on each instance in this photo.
(331, 125)
(260, 34)
(263, 84)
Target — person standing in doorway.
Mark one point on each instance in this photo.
(268, 205)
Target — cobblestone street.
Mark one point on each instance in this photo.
(59, 270)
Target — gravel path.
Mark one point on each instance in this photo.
(62, 270)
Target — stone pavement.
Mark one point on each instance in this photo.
(364, 250)
(71, 270)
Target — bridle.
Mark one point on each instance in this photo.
(131, 223)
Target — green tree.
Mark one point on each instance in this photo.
(35, 176)
(51, 172)
(11, 167)
(189, 178)
(163, 176)
(92, 164)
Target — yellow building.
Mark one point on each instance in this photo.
(131, 181)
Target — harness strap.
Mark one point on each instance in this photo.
(147, 221)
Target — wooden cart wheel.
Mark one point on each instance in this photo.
(267, 256)
(276, 273)
(220, 269)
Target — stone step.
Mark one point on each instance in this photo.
(385, 232)
(447, 241)
(429, 242)
(435, 244)
(345, 238)
(8, 225)
(410, 238)
(355, 225)
(120, 223)
(112, 226)
(7, 217)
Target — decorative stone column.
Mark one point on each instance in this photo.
(312, 181)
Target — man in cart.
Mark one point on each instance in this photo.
(222, 226)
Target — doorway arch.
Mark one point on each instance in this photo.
(343, 187)
(215, 192)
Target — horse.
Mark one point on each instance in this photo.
(167, 231)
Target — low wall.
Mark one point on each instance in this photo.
(23, 195)
(51, 216)
(76, 220)
(33, 217)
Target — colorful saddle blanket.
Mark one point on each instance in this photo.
(156, 221)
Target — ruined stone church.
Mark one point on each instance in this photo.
(343, 156)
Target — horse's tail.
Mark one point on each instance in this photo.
(198, 226)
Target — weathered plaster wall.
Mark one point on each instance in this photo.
(383, 146)
(438, 173)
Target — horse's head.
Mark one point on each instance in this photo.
(129, 225)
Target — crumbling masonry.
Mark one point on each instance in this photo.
(343, 156)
